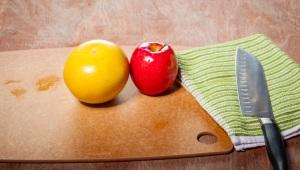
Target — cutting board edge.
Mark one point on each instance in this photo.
(228, 150)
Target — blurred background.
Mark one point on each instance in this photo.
(26, 24)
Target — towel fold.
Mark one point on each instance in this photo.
(208, 73)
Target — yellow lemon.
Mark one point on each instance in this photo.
(96, 71)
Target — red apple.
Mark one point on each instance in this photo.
(153, 68)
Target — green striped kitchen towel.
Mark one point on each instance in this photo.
(208, 73)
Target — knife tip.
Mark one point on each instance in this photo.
(242, 54)
(240, 50)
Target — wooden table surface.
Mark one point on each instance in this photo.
(42, 24)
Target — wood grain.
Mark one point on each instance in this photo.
(43, 24)
(44, 122)
(31, 24)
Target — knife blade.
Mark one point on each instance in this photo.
(255, 101)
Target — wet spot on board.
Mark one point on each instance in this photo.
(19, 91)
(161, 125)
(12, 81)
(45, 83)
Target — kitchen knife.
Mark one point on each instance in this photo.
(255, 101)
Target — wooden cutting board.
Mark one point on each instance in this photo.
(41, 121)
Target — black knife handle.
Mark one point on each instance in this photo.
(275, 146)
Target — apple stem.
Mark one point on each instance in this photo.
(155, 47)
